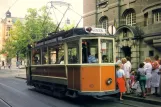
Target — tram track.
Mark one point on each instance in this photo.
(5, 103)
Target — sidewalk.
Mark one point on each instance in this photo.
(21, 76)
(151, 99)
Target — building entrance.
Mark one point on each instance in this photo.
(127, 51)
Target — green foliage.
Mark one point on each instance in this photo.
(37, 24)
(68, 27)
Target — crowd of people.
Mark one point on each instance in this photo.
(148, 75)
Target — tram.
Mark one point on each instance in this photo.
(73, 63)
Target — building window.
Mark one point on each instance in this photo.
(102, 3)
(130, 17)
(157, 15)
(124, 33)
(7, 33)
(146, 19)
(8, 28)
(104, 22)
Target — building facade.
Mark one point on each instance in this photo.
(6, 25)
(138, 24)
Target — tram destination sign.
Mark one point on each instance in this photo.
(95, 30)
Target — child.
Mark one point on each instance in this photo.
(132, 79)
(142, 78)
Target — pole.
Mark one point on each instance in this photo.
(61, 19)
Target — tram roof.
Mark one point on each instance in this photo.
(75, 32)
(70, 33)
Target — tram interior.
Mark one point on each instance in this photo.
(90, 52)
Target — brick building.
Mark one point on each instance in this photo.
(138, 24)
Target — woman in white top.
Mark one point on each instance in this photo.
(148, 70)
(120, 80)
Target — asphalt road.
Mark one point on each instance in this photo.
(15, 93)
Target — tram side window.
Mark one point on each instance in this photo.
(36, 59)
(73, 52)
(107, 51)
(52, 55)
(44, 56)
(90, 51)
(60, 54)
(56, 54)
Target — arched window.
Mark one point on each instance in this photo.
(157, 15)
(104, 22)
(129, 17)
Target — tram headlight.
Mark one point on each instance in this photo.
(109, 81)
(88, 29)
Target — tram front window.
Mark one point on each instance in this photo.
(107, 51)
(90, 51)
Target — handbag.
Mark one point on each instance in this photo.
(138, 76)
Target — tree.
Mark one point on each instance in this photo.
(37, 24)
(68, 27)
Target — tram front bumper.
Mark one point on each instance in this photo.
(99, 94)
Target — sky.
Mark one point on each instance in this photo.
(19, 9)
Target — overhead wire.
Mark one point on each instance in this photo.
(55, 16)
(12, 4)
(58, 10)
(77, 14)
(10, 7)
(46, 17)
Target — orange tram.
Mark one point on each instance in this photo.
(73, 63)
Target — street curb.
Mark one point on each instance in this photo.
(150, 101)
(20, 77)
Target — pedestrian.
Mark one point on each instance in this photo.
(159, 73)
(155, 80)
(148, 70)
(128, 62)
(142, 78)
(3, 65)
(120, 80)
(118, 61)
(9, 65)
(126, 68)
(132, 78)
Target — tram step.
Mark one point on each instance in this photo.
(71, 94)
